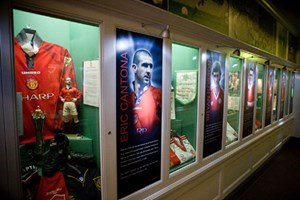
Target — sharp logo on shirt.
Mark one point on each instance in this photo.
(42, 96)
(32, 84)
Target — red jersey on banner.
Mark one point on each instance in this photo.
(217, 101)
(146, 110)
(41, 68)
(250, 96)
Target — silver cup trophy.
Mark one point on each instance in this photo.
(38, 117)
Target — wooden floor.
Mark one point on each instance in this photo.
(278, 179)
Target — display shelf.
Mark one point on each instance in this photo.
(80, 143)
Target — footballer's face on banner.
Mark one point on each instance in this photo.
(143, 71)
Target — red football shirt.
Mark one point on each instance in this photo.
(41, 84)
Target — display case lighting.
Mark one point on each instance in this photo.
(165, 33)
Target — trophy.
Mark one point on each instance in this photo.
(38, 117)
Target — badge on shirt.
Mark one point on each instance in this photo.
(67, 61)
(32, 84)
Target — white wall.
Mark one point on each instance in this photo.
(296, 106)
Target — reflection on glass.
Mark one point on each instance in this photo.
(260, 95)
(185, 61)
(234, 96)
(276, 91)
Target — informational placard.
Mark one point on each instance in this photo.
(91, 83)
(270, 84)
(139, 101)
(214, 103)
(249, 102)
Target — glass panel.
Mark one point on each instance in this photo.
(287, 96)
(260, 95)
(234, 99)
(57, 84)
(270, 87)
(292, 91)
(185, 62)
(282, 92)
(276, 91)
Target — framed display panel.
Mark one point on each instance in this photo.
(184, 93)
(59, 131)
(269, 93)
(287, 95)
(292, 92)
(139, 105)
(249, 97)
(260, 95)
(234, 99)
(282, 93)
(214, 102)
(276, 93)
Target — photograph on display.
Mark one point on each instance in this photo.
(260, 95)
(139, 101)
(292, 48)
(287, 92)
(249, 102)
(234, 96)
(282, 41)
(282, 92)
(275, 103)
(250, 23)
(158, 3)
(292, 92)
(270, 84)
(210, 13)
(214, 102)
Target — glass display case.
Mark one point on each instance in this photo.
(57, 83)
(234, 99)
(260, 95)
(184, 105)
